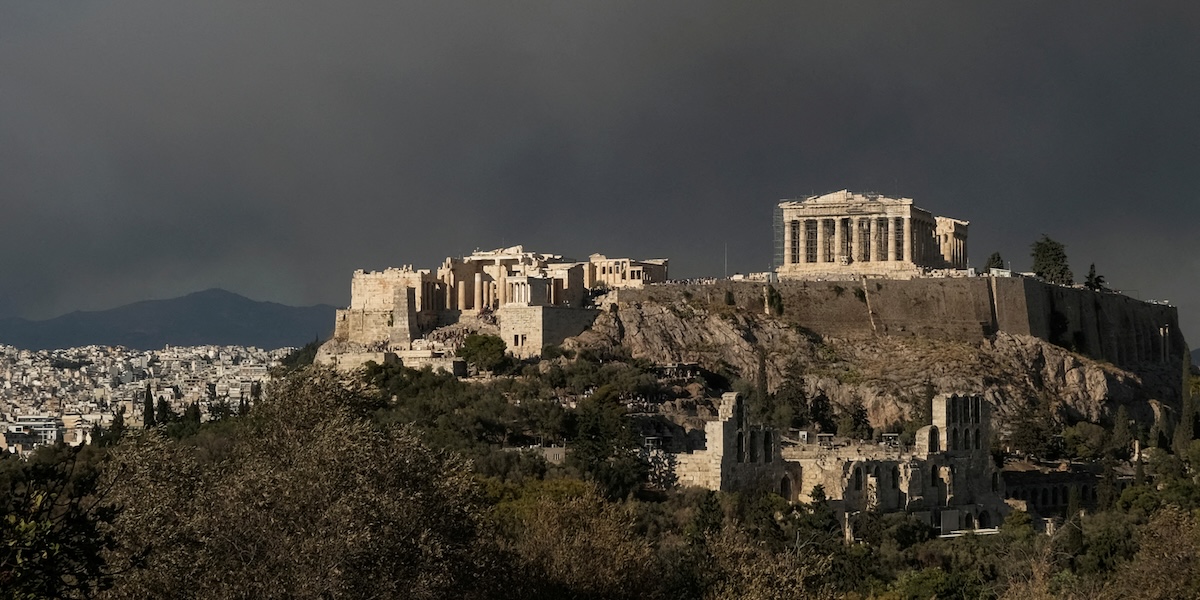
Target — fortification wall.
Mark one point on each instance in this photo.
(1106, 326)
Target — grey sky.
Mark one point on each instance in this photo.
(155, 148)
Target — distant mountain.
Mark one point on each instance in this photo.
(210, 317)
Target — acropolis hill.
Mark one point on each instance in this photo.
(851, 267)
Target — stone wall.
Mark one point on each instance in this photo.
(737, 456)
(1105, 326)
(526, 330)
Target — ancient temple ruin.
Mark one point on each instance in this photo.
(946, 477)
(529, 299)
(844, 234)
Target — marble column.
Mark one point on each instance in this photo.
(891, 255)
(839, 239)
(821, 240)
(868, 239)
(802, 242)
(787, 244)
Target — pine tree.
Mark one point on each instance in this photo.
(116, 430)
(995, 261)
(1094, 281)
(148, 409)
(1050, 261)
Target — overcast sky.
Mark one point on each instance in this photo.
(152, 148)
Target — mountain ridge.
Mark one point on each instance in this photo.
(213, 316)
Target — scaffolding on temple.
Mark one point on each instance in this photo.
(778, 221)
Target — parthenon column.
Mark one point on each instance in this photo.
(890, 255)
(788, 257)
(908, 239)
(839, 239)
(868, 239)
(478, 291)
(821, 240)
(801, 247)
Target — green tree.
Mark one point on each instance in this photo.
(53, 528)
(995, 261)
(163, 413)
(1122, 438)
(280, 516)
(1086, 441)
(300, 357)
(1094, 281)
(774, 301)
(116, 430)
(853, 422)
(1185, 430)
(1050, 261)
(148, 409)
(606, 448)
(487, 352)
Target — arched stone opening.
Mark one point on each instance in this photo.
(785, 488)
(935, 442)
(954, 439)
(985, 520)
(858, 483)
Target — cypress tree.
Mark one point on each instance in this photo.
(1184, 432)
(192, 414)
(163, 413)
(1121, 438)
(148, 409)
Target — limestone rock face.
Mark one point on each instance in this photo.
(890, 375)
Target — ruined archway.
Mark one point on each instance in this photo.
(785, 488)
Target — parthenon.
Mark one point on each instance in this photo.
(847, 234)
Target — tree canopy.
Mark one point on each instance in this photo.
(1050, 261)
(487, 352)
(995, 261)
(1094, 281)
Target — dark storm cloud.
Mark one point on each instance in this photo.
(151, 148)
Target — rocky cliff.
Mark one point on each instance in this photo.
(890, 373)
